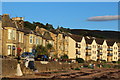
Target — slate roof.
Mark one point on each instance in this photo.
(77, 38)
(53, 31)
(99, 41)
(47, 36)
(89, 40)
(110, 42)
(6, 21)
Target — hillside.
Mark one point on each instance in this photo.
(97, 33)
(115, 35)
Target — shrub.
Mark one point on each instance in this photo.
(106, 66)
(65, 56)
(77, 69)
(85, 65)
(103, 61)
(118, 62)
(80, 60)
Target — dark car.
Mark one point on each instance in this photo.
(41, 58)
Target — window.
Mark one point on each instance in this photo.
(36, 40)
(9, 46)
(22, 37)
(76, 44)
(40, 41)
(9, 34)
(14, 34)
(31, 39)
(19, 37)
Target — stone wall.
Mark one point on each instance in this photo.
(9, 67)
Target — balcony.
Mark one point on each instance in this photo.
(78, 52)
(110, 54)
(88, 48)
(109, 49)
(119, 55)
(100, 53)
(78, 45)
(88, 54)
(100, 48)
(118, 50)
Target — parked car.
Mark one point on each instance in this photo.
(27, 54)
(41, 58)
(28, 59)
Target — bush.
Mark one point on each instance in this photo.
(85, 65)
(64, 56)
(103, 61)
(106, 66)
(80, 60)
(118, 62)
(77, 69)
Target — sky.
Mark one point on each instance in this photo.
(74, 15)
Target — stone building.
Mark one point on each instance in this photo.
(9, 36)
(0, 36)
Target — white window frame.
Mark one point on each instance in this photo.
(31, 39)
(9, 34)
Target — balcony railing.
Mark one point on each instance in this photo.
(88, 54)
(99, 48)
(78, 52)
(118, 50)
(78, 45)
(119, 55)
(110, 54)
(100, 53)
(109, 49)
(88, 48)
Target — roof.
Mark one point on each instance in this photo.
(77, 38)
(99, 41)
(53, 31)
(37, 33)
(6, 21)
(110, 42)
(27, 31)
(89, 40)
(47, 36)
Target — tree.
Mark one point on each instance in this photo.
(41, 25)
(29, 25)
(49, 48)
(41, 50)
(65, 56)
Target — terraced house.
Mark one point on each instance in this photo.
(9, 36)
(102, 49)
(112, 51)
(76, 46)
(0, 36)
(13, 34)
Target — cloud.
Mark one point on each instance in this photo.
(104, 18)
